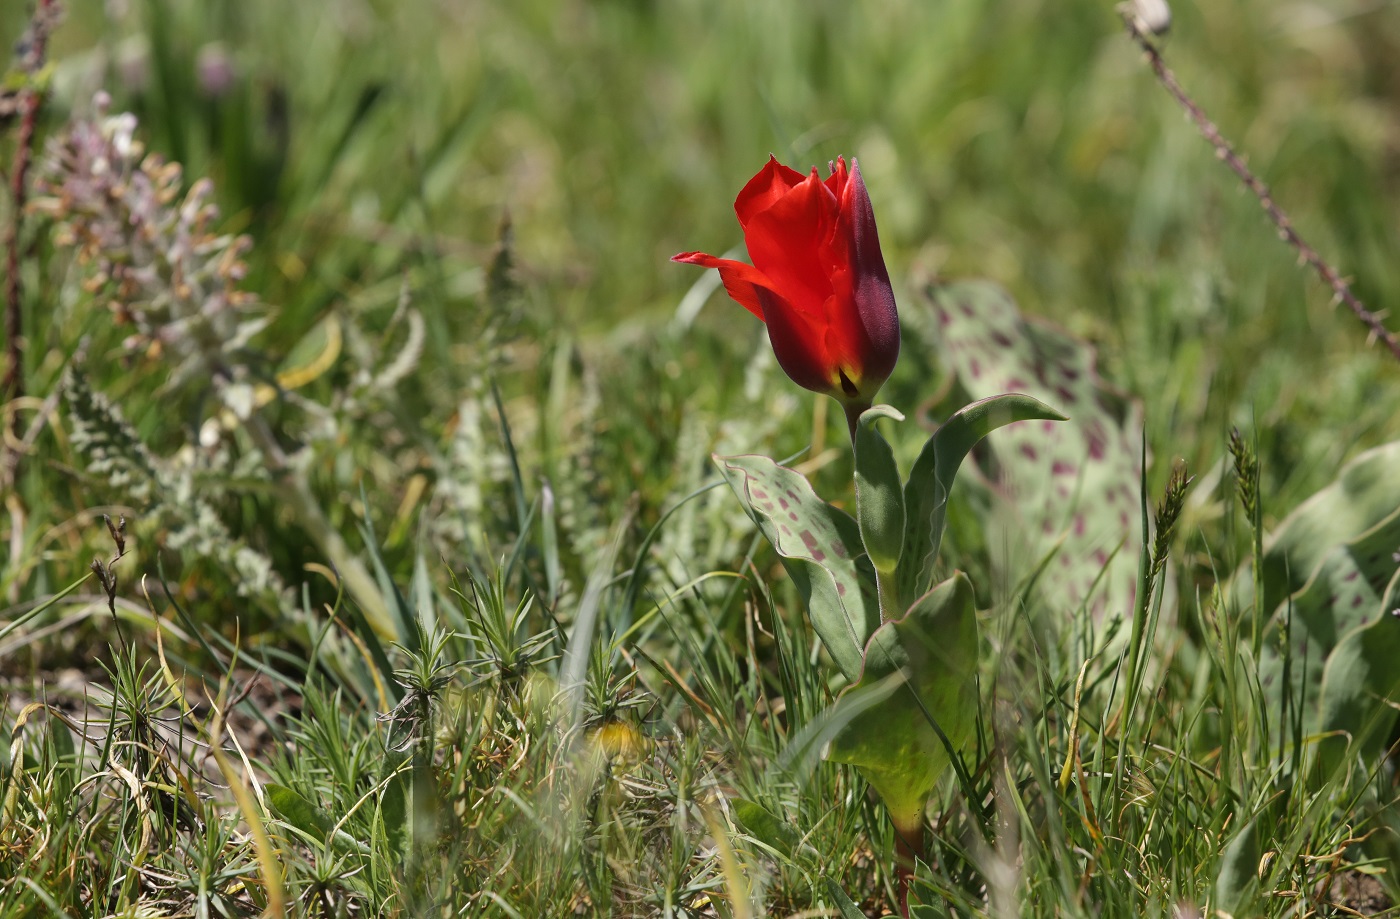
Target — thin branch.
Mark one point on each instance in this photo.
(1341, 290)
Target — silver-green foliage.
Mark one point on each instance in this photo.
(172, 495)
(821, 549)
(907, 648)
(1329, 604)
(1070, 489)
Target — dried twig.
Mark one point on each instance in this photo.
(32, 54)
(1341, 290)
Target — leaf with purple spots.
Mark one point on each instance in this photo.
(1326, 567)
(1070, 489)
(1361, 688)
(1348, 591)
(821, 550)
(1365, 493)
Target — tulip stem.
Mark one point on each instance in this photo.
(853, 412)
(888, 588)
(909, 849)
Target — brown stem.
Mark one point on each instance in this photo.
(1341, 291)
(32, 55)
(908, 848)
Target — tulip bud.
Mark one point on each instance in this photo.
(818, 280)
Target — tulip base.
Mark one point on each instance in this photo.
(853, 413)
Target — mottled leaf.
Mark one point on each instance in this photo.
(1326, 572)
(820, 548)
(1068, 488)
(1344, 593)
(1365, 493)
(1361, 687)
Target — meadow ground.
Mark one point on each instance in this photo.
(430, 599)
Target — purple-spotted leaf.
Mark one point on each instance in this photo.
(929, 657)
(1344, 594)
(931, 479)
(821, 549)
(1361, 687)
(1329, 575)
(1072, 488)
(1328, 571)
(1365, 493)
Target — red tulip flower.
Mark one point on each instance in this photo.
(817, 280)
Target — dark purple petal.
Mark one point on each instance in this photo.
(871, 289)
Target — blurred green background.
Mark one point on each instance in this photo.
(1019, 140)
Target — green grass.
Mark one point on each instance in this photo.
(522, 477)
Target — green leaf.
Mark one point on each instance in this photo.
(844, 904)
(308, 817)
(1237, 884)
(1344, 594)
(405, 629)
(761, 824)
(1068, 489)
(879, 497)
(931, 479)
(299, 812)
(421, 592)
(313, 355)
(1365, 493)
(1328, 573)
(393, 813)
(820, 548)
(1361, 688)
(66, 771)
(931, 654)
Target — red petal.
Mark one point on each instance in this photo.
(792, 244)
(799, 344)
(740, 279)
(764, 190)
(846, 343)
